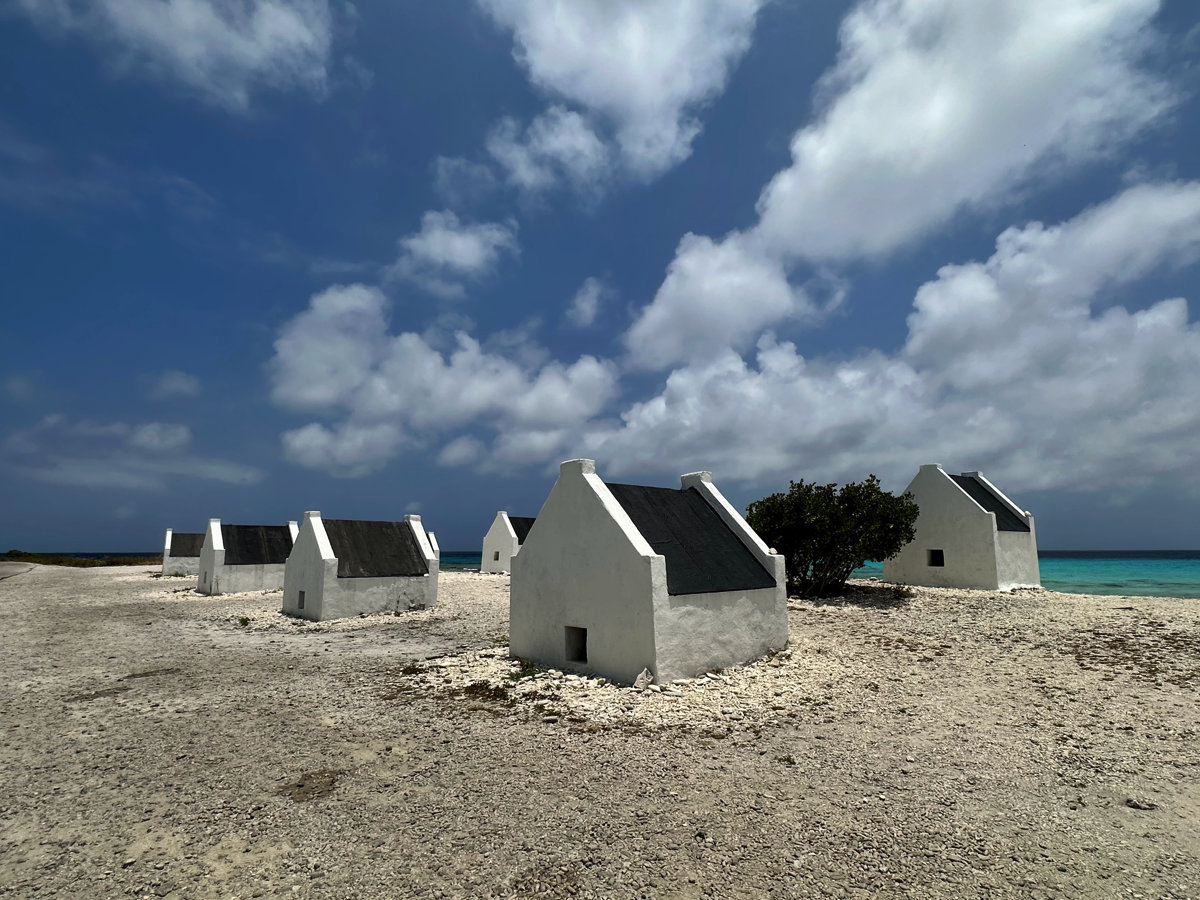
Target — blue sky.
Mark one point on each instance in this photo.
(262, 256)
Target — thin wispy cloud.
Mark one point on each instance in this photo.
(221, 51)
(585, 307)
(146, 456)
(173, 383)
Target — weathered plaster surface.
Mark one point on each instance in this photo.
(977, 554)
(181, 565)
(178, 565)
(587, 566)
(1017, 559)
(698, 632)
(312, 568)
(214, 577)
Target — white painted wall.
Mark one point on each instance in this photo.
(977, 554)
(212, 557)
(698, 632)
(1017, 559)
(308, 569)
(312, 568)
(178, 565)
(499, 545)
(1016, 552)
(214, 577)
(587, 566)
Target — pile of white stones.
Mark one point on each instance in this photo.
(738, 698)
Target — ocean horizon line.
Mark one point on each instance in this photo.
(1181, 553)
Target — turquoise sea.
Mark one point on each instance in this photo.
(460, 560)
(1144, 573)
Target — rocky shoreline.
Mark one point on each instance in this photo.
(156, 743)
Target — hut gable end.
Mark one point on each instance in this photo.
(702, 553)
(375, 549)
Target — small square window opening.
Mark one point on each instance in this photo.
(576, 645)
(936, 557)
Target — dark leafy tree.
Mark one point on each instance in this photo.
(825, 533)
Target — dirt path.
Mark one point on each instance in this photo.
(9, 569)
(161, 744)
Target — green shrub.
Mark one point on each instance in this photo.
(825, 533)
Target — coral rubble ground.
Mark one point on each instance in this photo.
(157, 743)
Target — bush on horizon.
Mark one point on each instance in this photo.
(80, 562)
(825, 533)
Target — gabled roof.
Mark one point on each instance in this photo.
(375, 549)
(521, 525)
(186, 544)
(703, 554)
(1006, 519)
(253, 545)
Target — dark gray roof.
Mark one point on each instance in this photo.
(521, 525)
(375, 549)
(1006, 519)
(703, 554)
(186, 544)
(254, 545)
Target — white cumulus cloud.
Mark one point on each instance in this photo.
(1018, 365)
(936, 106)
(643, 68)
(447, 252)
(558, 146)
(347, 450)
(464, 450)
(717, 294)
(389, 391)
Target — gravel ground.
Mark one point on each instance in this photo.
(157, 743)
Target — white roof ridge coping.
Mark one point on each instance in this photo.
(999, 494)
(734, 521)
(586, 468)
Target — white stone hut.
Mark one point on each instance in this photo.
(343, 567)
(968, 535)
(502, 541)
(616, 578)
(237, 558)
(181, 552)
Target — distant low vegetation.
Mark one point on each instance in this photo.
(82, 562)
(825, 533)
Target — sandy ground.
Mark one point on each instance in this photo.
(156, 743)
